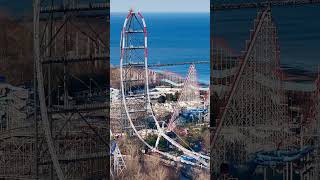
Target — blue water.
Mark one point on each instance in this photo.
(298, 33)
(173, 37)
(185, 37)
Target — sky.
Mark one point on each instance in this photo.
(161, 5)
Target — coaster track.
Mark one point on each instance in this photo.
(132, 48)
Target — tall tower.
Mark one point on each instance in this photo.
(134, 52)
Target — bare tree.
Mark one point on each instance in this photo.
(141, 167)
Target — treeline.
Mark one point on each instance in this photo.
(168, 97)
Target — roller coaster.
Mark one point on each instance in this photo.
(139, 111)
(252, 127)
(73, 136)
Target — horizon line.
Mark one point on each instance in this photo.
(122, 11)
(163, 11)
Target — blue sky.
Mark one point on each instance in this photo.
(161, 5)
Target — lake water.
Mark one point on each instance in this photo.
(173, 37)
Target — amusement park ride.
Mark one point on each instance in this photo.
(252, 129)
(66, 137)
(61, 132)
(189, 97)
(135, 95)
